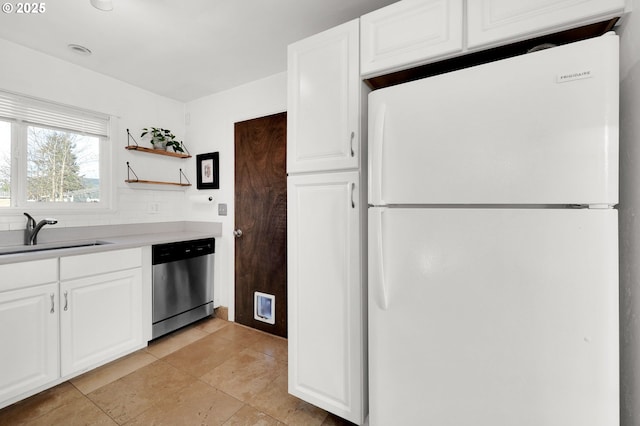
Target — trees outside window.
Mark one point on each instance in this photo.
(62, 167)
(5, 164)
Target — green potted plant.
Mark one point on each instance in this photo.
(176, 145)
(162, 139)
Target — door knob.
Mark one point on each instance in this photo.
(237, 233)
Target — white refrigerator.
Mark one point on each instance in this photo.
(493, 247)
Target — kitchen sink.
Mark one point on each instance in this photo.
(50, 246)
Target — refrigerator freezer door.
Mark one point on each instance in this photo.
(540, 128)
(493, 317)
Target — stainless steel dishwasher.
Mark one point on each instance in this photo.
(182, 284)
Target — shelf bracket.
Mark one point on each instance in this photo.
(129, 139)
(185, 176)
(154, 182)
(185, 148)
(130, 171)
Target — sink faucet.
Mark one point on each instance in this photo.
(31, 231)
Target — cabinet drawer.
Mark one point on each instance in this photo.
(27, 274)
(408, 33)
(99, 263)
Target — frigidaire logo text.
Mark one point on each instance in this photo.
(574, 76)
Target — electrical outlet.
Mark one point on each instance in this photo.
(153, 208)
(222, 209)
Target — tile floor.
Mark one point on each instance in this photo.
(213, 372)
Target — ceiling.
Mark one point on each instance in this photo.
(181, 49)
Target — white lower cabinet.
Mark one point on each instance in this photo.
(325, 293)
(29, 355)
(101, 318)
(62, 316)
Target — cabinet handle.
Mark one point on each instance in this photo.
(66, 302)
(353, 189)
(52, 304)
(353, 136)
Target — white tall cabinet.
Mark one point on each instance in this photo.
(326, 290)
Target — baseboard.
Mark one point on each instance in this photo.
(222, 312)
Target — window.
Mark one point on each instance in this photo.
(5, 164)
(52, 156)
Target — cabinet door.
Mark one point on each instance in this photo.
(494, 21)
(100, 318)
(29, 355)
(325, 294)
(323, 101)
(408, 33)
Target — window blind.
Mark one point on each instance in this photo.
(48, 114)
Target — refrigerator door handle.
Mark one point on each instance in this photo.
(375, 167)
(379, 282)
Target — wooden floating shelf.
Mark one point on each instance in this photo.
(156, 182)
(156, 151)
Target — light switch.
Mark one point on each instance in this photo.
(222, 209)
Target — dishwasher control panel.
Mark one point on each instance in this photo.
(181, 250)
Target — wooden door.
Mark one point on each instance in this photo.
(261, 219)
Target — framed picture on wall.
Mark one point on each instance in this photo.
(208, 171)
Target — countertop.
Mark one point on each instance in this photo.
(109, 237)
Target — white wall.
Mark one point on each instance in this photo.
(211, 129)
(629, 32)
(32, 73)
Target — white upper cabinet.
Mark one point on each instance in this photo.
(409, 33)
(492, 22)
(324, 101)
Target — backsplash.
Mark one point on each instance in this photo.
(130, 206)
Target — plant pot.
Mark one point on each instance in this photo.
(159, 145)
